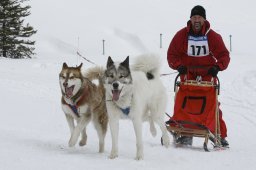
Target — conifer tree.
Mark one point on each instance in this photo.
(14, 34)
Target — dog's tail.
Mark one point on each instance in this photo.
(94, 73)
(148, 63)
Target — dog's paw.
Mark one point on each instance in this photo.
(139, 157)
(71, 143)
(113, 156)
(82, 143)
(166, 141)
(113, 153)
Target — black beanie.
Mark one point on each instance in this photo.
(198, 10)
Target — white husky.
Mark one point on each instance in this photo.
(136, 93)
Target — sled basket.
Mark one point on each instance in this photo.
(196, 110)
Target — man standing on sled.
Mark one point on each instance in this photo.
(197, 50)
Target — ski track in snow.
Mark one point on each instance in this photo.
(240, 95)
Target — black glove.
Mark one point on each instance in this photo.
(213, 71)
(182, 69)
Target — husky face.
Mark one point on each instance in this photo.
(71, 80)
(117, 78)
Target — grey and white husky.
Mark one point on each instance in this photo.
(83, 101)
(136, 93)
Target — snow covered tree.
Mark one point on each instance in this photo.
(14, 34)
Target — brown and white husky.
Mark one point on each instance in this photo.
(83, 101)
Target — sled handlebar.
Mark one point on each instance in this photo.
(217, 84)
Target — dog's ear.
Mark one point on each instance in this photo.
(109, 62)
(64, 66)
(125, 63)
(79, 67)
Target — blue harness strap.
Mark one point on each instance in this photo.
(126, 111)
(74, 109)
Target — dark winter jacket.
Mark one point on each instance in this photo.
(218, 53)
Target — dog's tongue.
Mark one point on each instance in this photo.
(69, 91)
(116, 94)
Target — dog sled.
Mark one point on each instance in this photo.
(196, 111)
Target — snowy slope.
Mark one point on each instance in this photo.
(33, 130)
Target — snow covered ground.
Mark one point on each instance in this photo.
(33, 130)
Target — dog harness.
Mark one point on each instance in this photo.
(74, 109)
(82, 93)
(125, 111)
